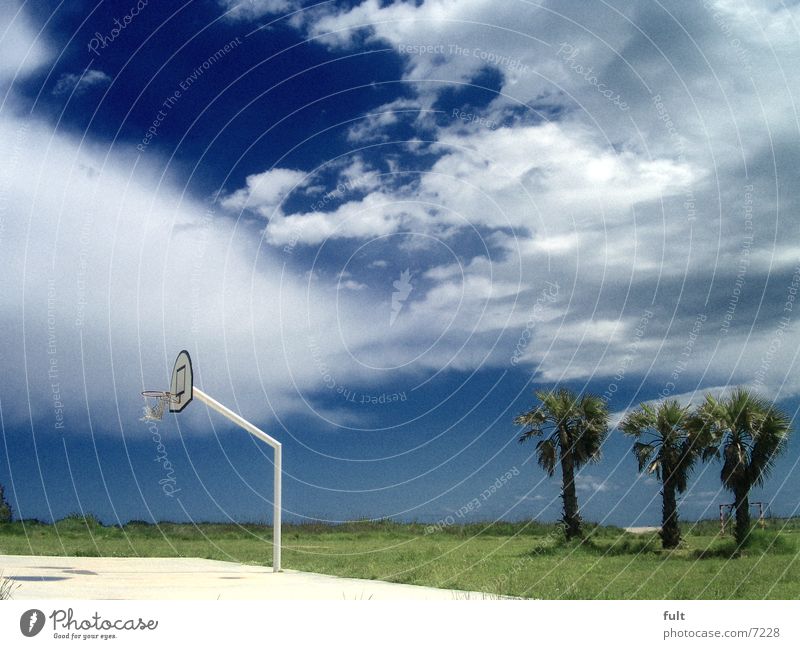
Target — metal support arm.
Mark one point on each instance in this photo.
(276, 445)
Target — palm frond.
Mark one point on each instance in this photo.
(636, 423)
(643, 454)
(770, 441)
(528, 434)
(591, 429)
(534, 420)
(547, 455)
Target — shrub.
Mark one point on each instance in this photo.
(79, 522)
(5, 508)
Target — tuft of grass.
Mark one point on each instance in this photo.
(760, 543)
(598, 544)
(362, 596)
(625, 544)
(771, 541)
(7, 587)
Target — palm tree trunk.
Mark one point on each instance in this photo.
(742, 505)
(572, 520)
(670, 531)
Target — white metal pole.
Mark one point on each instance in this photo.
(276, 512)
(276, 446)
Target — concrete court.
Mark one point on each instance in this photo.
(148, 578)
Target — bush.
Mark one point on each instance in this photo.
(5, 509)
(79, 522)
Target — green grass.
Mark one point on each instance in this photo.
(516, 559)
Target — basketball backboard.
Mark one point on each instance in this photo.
(181, 385)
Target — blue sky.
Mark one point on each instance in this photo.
(378, 227)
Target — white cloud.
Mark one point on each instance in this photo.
(22, 49)
(80, 83)
(352, 285)
(358, 177)
(252, 9)
(372, 127)
(534, 498)
(403, 22)
(374, 215)
(552, 169)
(584, 482)
(264, 192)
(523, 177)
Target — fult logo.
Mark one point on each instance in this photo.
(31, 622)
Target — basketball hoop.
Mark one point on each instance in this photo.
(155, 411)
(181, 393)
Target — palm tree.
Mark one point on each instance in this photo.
(666, 448)
(572, 429)
(747, 432)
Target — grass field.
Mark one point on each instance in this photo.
(516, 559)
